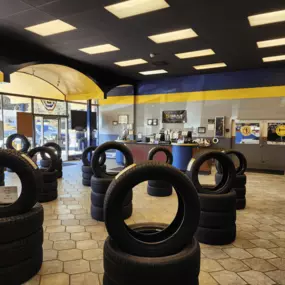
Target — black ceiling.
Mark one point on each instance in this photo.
(221, 25)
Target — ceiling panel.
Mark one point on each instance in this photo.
(8, 7)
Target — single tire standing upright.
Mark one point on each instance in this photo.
(160, 188)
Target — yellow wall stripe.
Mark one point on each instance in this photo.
(229, 94)
(1, 76)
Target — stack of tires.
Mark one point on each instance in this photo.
(45, 162)
(48, 192)
(21, 238)
(87, 171)
(239, 185)
(101, 180)
(217, 225)
(151, 253)
(160, 188)
(2, 176)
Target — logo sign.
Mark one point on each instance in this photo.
(280, 130)
(49, 105)
(179, 116)
(246, 130)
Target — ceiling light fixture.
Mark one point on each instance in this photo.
(99, 49)
(274, 58)
(197, 53)
(173, 36)
(267, 18)
(153, 72)
(209, 66)
(131, 62)
(50, 28)
(271, 43)
(131, 8)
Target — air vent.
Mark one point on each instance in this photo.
(160, 63)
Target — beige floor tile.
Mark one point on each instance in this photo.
(69, 254)
(87, 244)
(102, 242)
(101, 278)
(34, 281)
(52, 222)
(278, 262)
(95, 229)
(278, 276)
(100, 236)
(70, 222)
(279, 242)
(237, 253)
(261, 253)
(93, 254)
(85, 279)
(66, 217)
(280, 234)
(47, 244)
(80, 236)
(206, 279)
(228, 278)
(259, 264)
(264, 235)
(210, 265)
(256, 278)
(83, 217)
(97, 266)
(74, 207)
(263, 243)
(76, 266)
(65, 244)
(214, 253)
(243, 243)
(51, 267)
(49, 254)
(75, 229)
(55, 229)
(59, 236)
(280, 252)
(55, 279)
(233, 265)
(88, 222)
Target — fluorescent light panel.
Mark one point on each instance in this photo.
(131, 8)
(267, 18)
(131, 62)
(274, 58)
(197, 53)
(153, 72)
(50, 28)
(99, 49)
(271, 43)
(173, 36)
(210, 66)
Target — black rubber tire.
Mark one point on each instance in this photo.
(31, 181)
(240, 204)
(167, 152)
(216, 236)
(20, 250)
(87, 169)
(240, 193)
(51, 186)
(183, 226)
(28, 223)
(89, 150)
(159, 192)
(86, 182)
(56, 147)
(128, 269)
(228, 178)
(218, 203)
(86, 175)
(25, 142)
(59, 174)
(22, 272)
(97, 199)
(241, 169)
(43, 150)
(45, 163)
(239, 182)
(217, 220)
(100, 185)
(49, 177)
(159, 184)
(95, 161)
(48, 197)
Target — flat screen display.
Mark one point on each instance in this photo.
(79, 120)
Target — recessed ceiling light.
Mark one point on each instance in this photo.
(197, 53)
(99, 49)
(209, 66)
(173, 36)
(152, 72)
(131, 8)
(271, 43)
(274, 58)
(267, 18)
(50, 28)
(131, 62)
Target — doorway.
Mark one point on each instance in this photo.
(51, 129)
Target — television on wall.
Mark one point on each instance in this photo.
(79, 120)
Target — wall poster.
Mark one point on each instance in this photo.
(247, 133)
(219, 126)
(276, 133)
(174, 117)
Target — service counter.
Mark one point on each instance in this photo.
(182, 154)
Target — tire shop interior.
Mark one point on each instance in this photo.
(142, 142)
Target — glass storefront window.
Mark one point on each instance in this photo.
(49, 107)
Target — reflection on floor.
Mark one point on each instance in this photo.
(73, 241)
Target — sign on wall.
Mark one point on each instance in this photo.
(219, 126)
(247, 133)
(49, 105)
(174, 117)
(276, 133)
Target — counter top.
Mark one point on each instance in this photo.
(148, 143)
(185, 144)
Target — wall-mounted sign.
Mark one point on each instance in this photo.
(276, 133)
(219, 126)
(49, 105)
(174, 117)
(247, 133)
(123, 119)
(211, 124)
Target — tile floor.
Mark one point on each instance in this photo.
(73, 241)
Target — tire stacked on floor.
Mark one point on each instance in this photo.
(239, 185)
(49, 175)
(217, 225)
(151, 253)
(87, 171)
(160, 188)
(45, 162)
(101, 180)
(21, 238)
(2, 176)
